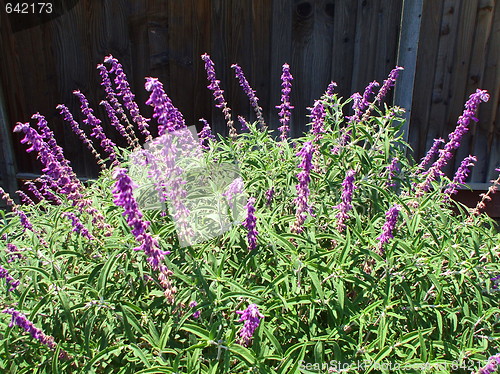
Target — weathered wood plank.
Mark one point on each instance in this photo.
(281, 38)
(420, 135)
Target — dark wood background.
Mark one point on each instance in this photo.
(352, 42)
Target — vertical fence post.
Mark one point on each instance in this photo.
(7, 159)
(407, 58)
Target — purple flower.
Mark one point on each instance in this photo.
(455, 137)
(391, 218)
(345, 206)
(302, 188)
(460, 176)
(167, 115)
(365, 102)
(388, 83)
(25, 198)
(234, 190)
(250, 224)
(48, 135)
(495, 282)
(14, 253)
(269, 195)
(68, 117)
(34, 190)
(194, 304)
(205, 134)
(393, 169)
(330, 90)
(22, 321)
(254, 100)
(15, 208)
(251, 319)
(116, 122)
(491, 366)
(97, 131)
(127, 95)
(78, 226)
(11, 282)
(318, 120)
(285, 107)
(214, 86)
(123, 197)
(244, 123)
(431, 153)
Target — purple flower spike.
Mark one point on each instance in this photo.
(233, 191)
(22, 321)
(285, 107)
(11, 282)
(431, 153)
(218, 93)
(97, 130)
(365, 102)
(330, 90)
(127, 95)
(25, 198)
(455, 137)
(243, 123)
(460, 176)
(269, 196)
(167, 115)
(78, 226)
(388, 84)
(304, 177)
(318, 120)
(205, 134)
(492, 365)
(391, 218)
(14, 253)
(345, 206)
(393, 169)
(254, 100)
(250, 224)
(251, 318)
(123, 197)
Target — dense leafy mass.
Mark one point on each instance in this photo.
(352, 257)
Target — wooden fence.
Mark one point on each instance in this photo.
(351, 42)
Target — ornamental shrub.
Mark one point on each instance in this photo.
(332, 252)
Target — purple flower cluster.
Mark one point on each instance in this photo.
(22, 321)
(251, 223)
(233, 191)
(391, 218)
(251, 319)
(218, 93)
(123, 197)
(345, 206)
(68, 117)
(460, 176)
(318, 120)
(330, 90)
(97, 131)
(285, 107)
(127, 95)
(78, 226)
(492, 365)
(13, 253)
(302, 188)
(454, 138)
(365, 101)
(393, 169)
(168, 116)
(48, 135)
(15, 208)
(25, 198)
(205, 133)
(388, 84)
(11, 282)
(431, 153)
(495, 282)
(269, 194)
(254, 100)
(243, 123)
(194, 304)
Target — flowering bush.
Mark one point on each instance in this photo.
(347, 251)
